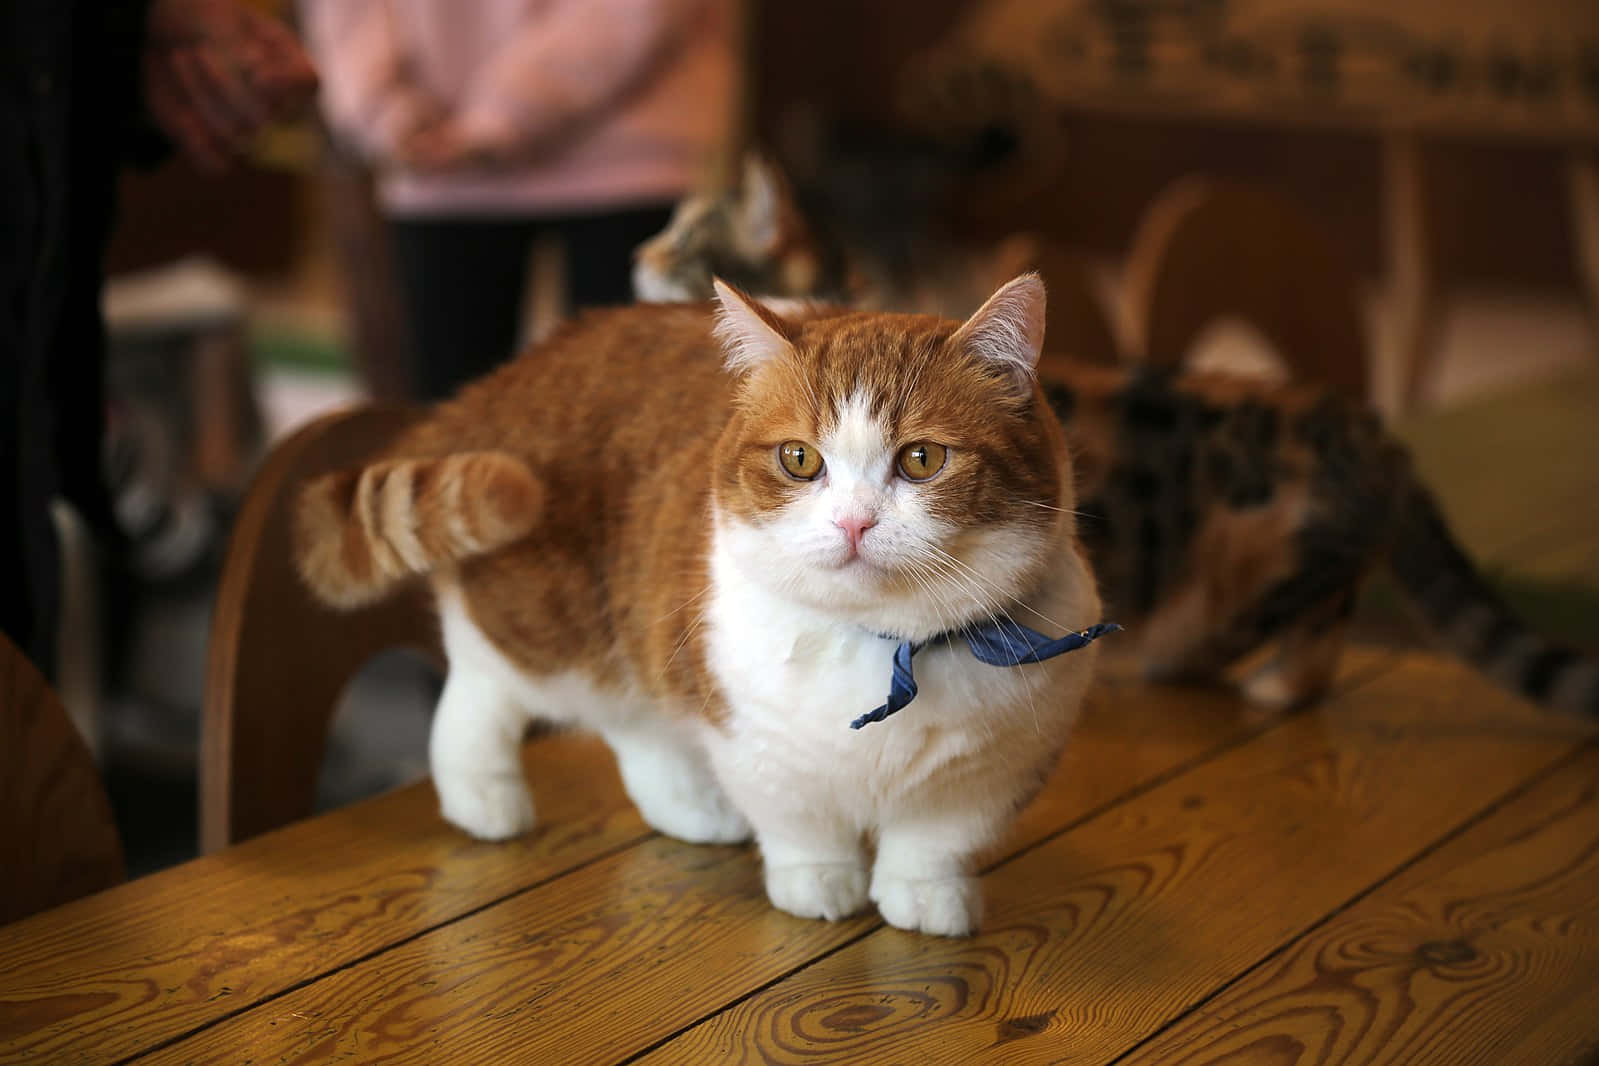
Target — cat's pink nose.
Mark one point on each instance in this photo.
(855, 527)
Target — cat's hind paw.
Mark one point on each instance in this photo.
(486, 806)
(820, 890)
(672, 786)
(688, 806)
(945, 906)
(711, 819)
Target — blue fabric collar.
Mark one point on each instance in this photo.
(996, 641)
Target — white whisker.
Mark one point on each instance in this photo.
(698, 595)
(1062, 510)
(1001, 596)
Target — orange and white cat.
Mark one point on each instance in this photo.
(703, 532)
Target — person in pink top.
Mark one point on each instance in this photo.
(492, 121)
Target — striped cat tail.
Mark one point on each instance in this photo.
(358, 533)
(1475, 623)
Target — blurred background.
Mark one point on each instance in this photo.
(1443, 156)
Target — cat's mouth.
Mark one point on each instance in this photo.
(852, 562)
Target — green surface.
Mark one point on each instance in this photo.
(286, 347)
(1518, 473)
(1518, 477)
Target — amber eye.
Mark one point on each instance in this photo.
(800, 460)
(922, 460)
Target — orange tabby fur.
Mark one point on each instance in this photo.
(494, 453)
(410, 516)
(613, 541)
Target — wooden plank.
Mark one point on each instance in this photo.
(613, 957)
(1486, 951)
(120, 972)
(1133, 735)
(1097, 939)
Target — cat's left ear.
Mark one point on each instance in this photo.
(751, 334)
(1009, 328)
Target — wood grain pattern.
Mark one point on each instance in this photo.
(113, 975)
(621, 953)
(586, 968)
(1133, 734)
(57, 838)
(1485, 952)
(1106, 933)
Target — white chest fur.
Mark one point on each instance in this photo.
(795, 678)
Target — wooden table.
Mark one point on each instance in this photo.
(1408, 873)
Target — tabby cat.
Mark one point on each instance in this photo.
(1222, 514)
(721, 569)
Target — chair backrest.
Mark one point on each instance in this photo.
(1076, 326)
(1209, 249)
(58, 840)
(278, 660)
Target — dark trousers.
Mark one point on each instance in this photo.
(67, 79)
(463, 280)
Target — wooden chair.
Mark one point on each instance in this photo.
(1076, 326)
(1209, 249)
(57, 837)
(278, 660)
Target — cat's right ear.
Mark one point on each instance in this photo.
(1008, 330)
(751, 335)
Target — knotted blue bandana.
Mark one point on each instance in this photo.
(997, 642)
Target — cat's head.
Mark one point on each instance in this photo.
(751, 235)
(902, 471)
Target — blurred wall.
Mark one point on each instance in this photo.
(1498, 207)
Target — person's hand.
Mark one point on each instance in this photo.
(477, 142)
(216, 72)
(432, 146)
(407, 111)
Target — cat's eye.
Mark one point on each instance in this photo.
(922, 460)
(800, 460)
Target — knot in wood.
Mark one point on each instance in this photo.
(1018, 1028)
(1446, 952)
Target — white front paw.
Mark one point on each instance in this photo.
(945, 906)
(486, 806)
(821, 890)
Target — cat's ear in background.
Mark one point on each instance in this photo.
(1009, 328)
(751, 334)
(760, 206)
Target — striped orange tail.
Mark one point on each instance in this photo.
(359, 533)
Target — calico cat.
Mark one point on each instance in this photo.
(756, 236)
(751, 235)
(1223, 515)
(719, 568)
